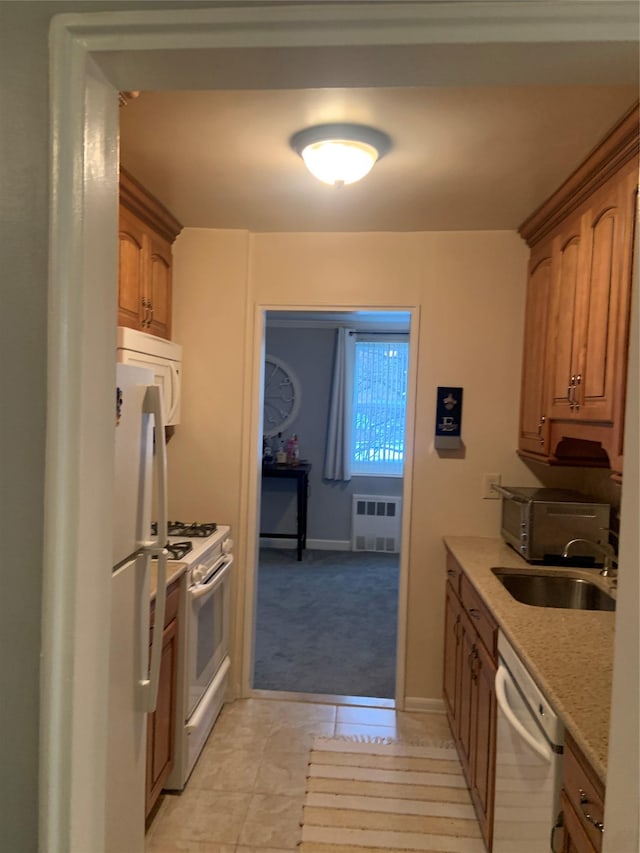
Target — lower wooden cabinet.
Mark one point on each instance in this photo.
(581, 821)
(470, 664)
(161, 724)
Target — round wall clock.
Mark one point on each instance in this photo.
(281, 396)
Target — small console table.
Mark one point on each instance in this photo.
(300, 475)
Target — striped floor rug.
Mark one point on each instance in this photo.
(392, 797)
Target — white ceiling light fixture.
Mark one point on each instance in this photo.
(339, 154)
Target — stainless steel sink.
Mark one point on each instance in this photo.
(554, 590)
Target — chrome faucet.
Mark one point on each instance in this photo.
(610, 562)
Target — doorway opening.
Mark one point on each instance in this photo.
(330, 505)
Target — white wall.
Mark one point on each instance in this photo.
(469, 288)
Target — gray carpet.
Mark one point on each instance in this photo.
(327, 624)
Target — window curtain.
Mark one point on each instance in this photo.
(337, 460)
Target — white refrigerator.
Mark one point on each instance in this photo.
(140, 481)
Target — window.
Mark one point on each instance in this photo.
(379, 406)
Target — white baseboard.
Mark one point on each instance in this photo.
(313, 544)
(425, 706)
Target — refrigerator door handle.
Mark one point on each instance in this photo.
(151, 672)
(153, 406)
(149, 683)
(175, 392)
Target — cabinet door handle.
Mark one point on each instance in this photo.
(145, 318)
(543, 420)
(570, 391)
(576, 403)
(473, 612)
(584, 802)
(451, 573)
(150, 303)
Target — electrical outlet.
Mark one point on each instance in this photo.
(488, 480)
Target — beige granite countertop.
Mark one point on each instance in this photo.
(569, 653)
(174, 570)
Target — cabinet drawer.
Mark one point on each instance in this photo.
(584, 791)
(575, 838)
(171, 607)
(480, 616)
(454, 573)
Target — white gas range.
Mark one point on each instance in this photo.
(203, 673)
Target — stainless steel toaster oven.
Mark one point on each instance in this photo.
(538, 522)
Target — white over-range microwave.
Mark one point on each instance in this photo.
(163, 357)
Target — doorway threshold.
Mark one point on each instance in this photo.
(323, 699)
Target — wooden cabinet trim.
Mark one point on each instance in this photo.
(620, 145)
(454, 573)
(469, 674)
(147, 207)
(575, 839)
(480, 616)
(171, 606)
(578, 776)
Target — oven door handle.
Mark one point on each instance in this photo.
(539, 747)
(210, 586)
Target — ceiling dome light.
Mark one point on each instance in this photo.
(339, 154)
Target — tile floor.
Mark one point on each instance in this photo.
(247, 790)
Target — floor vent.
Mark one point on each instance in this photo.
(376, 523)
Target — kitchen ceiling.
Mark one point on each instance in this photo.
(462, 158)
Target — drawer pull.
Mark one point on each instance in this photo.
(584, 802)
(451, 573)
(473, 659)
(475, 613)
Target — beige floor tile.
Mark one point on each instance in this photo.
(272, 822)
(226, 769)
(231, 734)
(286, 737)
(366, 716)
(197, 815)
(189, 847)
(413, 726)
(242, 848)
(297, 712)
(247, 709)
(282, 773)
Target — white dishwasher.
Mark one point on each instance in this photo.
(529, 738)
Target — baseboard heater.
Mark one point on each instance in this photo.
(376, 523)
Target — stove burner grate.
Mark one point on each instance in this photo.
(178, 550)
(194, 529)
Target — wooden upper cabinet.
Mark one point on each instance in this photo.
(576, 351)
(534, 422)
(146, 233)
(605, 293)
(131, 269)
(159, 290)
(565, 315)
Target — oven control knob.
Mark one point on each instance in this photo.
(227, 546)
(197, 574)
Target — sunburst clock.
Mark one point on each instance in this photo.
(281, 396)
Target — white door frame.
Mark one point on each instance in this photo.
(92, 56)
(252, 513)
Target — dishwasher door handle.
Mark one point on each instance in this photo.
(538, 746)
